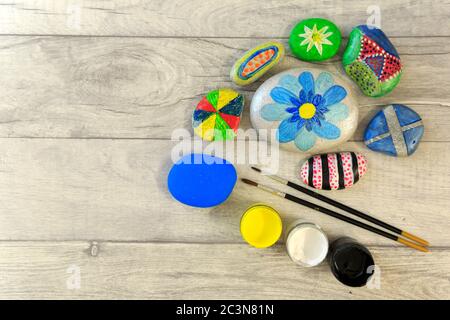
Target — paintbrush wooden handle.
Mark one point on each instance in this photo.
(341, 217)
(354, 222)
(334, 214)
(357, 213)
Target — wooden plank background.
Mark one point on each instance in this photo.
(90, 93)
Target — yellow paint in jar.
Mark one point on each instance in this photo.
(261, 226)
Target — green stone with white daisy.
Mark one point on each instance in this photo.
(315, 39)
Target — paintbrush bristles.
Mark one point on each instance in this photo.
(346, 208)
(250, 182)
(333, 214)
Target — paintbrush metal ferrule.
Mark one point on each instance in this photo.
(263, 187)
(346, 208)
(336, 215)
(271, 176)
(271, 190)
(278, 179)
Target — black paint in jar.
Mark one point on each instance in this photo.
(351, 262)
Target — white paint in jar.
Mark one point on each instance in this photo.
(306, 244)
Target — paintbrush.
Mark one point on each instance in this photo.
(347, 208)
(335, 215)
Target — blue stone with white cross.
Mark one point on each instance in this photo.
(396, 130)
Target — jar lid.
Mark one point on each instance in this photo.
(261, 226)
(352, 264)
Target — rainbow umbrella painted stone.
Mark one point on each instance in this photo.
(372, 61)
(396, 131)
(256, 62)
(315, 39)
(217, 116)
(333, 171)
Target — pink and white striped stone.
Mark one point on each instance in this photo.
(332, 164)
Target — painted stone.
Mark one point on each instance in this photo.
(218, 114)
(315, 39)
(310, 110)
(256, 62)
(201, 180)
(396, 130)
(372, 61)
(333, 171)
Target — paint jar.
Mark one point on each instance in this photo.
(306, 243)
(351, 262)
(261, 226)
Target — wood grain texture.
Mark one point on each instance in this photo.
(58, 189)
(233, 271)
(227, 18)
(90, 93)
(145, 88)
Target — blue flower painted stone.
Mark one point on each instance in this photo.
(200, 180)
(396, 130)
(307, 110)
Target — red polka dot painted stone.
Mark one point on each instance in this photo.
(333, 171)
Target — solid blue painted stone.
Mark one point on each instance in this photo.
(396, 130)
(201, 180)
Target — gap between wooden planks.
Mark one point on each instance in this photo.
(141, 88)
(81, 189)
